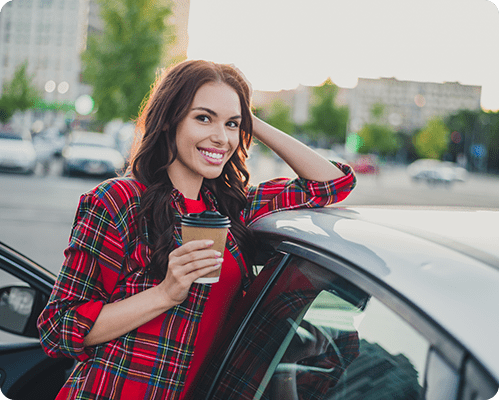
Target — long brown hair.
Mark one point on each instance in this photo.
(167, 105)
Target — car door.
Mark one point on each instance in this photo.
(315, 327)
(25, 371)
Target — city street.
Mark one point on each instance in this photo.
(36, 212)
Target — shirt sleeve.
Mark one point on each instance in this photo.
(287, 194)
(87, 278)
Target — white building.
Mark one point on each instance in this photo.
(49, 35)
(408, 104)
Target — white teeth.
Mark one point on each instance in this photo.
(216, 156)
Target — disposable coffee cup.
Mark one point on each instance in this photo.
(203, 226)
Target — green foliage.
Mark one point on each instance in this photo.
(6, 111)
(354, 143)
(44, 105)
(433, 140)
(280, 117)
(18, 94)
(475, 127)
(121, 62)
(493, 143)
(377, 137)
(378, 110)
(326, 118)
(463, 121)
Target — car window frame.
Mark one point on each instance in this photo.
(229, 351)
(448, 349)
(408, 311)
(26, 270)
(25, 361)
(475, 385)
(456, 356)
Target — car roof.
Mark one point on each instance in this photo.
(83, 137)
(444, 261)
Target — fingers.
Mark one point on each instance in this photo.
(194, 256)
(187, 263)
(193, 245)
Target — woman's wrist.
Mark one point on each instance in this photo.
(163, 298)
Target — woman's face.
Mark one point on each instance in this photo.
(208, 135)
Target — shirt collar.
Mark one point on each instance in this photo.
(178, 200)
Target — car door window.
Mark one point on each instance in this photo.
(442, 380)
(15, 307)
(317, 336)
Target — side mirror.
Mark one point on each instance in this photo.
(19, 309)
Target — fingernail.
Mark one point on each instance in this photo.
(209, 242)
(217, 253)
(220, 260)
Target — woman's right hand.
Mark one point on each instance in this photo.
(187, 263)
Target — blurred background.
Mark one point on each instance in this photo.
(407, 92)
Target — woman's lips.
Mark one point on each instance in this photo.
(213, 156)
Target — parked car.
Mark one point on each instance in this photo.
(54, 140)
(17, 153)
(436, 171)
(91, 153)
(349, 303)
(365, 164)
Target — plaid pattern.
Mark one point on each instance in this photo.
(105, 262)
(283, 194)
(314, 384)
(283, 308)
(257, 349)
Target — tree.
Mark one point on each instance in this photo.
(464, 125)
(326, 118)
(471, 128)
(377, 137)
(280, 116)
(120, 63)
(433, 140)
(493, 145)
(18, 94)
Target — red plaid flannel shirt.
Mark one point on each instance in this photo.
(105, 262)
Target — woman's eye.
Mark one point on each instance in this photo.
(203, 118)
(232, 124)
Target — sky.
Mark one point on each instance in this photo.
(279, 44)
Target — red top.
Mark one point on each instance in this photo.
(106, 261)
(217, 306)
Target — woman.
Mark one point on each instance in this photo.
(125, 304)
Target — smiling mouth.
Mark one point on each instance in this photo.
(214, 157)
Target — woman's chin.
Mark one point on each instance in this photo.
(213, 174)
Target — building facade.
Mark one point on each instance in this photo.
(408, 105)
(49, 35)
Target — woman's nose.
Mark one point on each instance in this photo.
(219, 135)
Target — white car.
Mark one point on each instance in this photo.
(436, 171)
(356, 303)
(17, 153)
(91, 153)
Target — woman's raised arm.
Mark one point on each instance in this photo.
(302, 159)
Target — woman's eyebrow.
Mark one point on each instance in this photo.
(211, 112)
